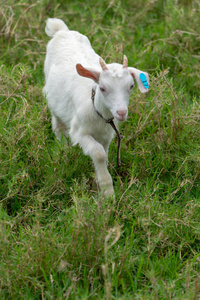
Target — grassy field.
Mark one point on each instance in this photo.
(58, 238)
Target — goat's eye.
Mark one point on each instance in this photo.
(131, 87)
(102, 90)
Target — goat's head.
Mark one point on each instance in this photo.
(115, 84)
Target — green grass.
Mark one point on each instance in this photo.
(59, 239)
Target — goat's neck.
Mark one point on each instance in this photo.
(100, 107)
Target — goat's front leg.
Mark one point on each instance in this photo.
(99, 156)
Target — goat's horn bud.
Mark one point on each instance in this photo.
(103, 65)
(125, 62)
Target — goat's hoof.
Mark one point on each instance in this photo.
(108, 192)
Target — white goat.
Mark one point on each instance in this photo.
(72, 71)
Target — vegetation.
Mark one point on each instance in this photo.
(59, 239)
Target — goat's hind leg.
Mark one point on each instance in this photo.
(58, 128)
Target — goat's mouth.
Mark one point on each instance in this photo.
(121, 115)
(120, 118)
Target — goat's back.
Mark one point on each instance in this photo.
(65, 90)
(68, 48)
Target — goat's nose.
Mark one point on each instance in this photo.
(122, 113)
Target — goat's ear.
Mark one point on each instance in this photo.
(142, 79)
(88, 73)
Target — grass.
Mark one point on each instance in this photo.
(58, 238)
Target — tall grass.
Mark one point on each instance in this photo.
(59, 239)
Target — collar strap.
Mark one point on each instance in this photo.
(109, 121)
(100, 115)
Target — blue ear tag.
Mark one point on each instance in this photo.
(144, 80)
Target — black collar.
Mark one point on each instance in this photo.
(109, 121)
(100, 115)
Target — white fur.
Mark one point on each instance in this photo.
(69, 60)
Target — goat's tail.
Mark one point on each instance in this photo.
(53, 25)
